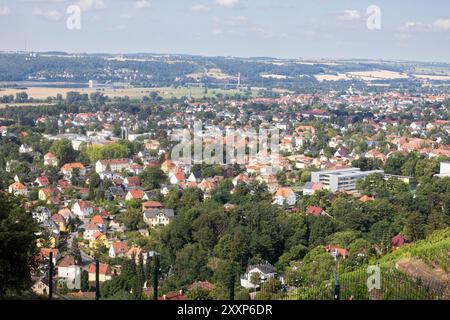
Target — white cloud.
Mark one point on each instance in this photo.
(417, 26)
(50, 15)
(350, 15)
(4, 11)
(199, 8)
(141, 4)
(442, 24)
(91, 4)
(413, 26)
(227, 3)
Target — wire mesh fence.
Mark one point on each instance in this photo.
(359, 285)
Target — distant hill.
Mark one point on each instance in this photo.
(158, 70)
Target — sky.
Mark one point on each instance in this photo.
(332, 29)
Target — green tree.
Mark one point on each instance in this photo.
(152, 178)
(84, 281)
(17, 247)
(64, 151)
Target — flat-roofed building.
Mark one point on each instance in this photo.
(445, 170)
(341, 179)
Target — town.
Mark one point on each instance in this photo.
(360, 176)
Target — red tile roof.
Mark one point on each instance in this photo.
(315, 211)
(104, 269)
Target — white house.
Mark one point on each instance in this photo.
(115, 165)
(41, 214)
(265, 272)
(50, 160)
(118, 249)
(82, 209)
(285, 196)
(445, 170)
(18, 189)
(68, 169)
(158, 217)
(89, 231)
(177, 177)
(24, 148)
(69, 273)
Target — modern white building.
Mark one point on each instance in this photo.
(445, 170)
(342, 179)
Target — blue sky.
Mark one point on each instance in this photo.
(410, 29)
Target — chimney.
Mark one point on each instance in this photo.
(164, 297)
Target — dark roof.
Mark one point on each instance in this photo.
(151, 213)
(265, 268)
(117, 191)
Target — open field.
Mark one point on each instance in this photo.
(212, 73)
(331, 77)
(134, 93)
(378, 75)
(432, 77)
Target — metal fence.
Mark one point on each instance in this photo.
(356, 285)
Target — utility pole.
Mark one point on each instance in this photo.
(337, 287)
(232, 284)
(156, 277)
(50, 276)
(97, 279)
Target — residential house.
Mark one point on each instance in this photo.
(316, 211)
(42, 181)
(24, 148)
(177, 295)
(398, 241)
(66, 214)
(116, 165)
(69, 273)
(310, 188)
(89, 230)
(18, 189)
(98, 240)
(177, 177)
(131, 182)
(50, 160)
(118, 249)
(265, 271)
(158, 217)
(285, 196)
(105, 272)
(82, 209)
(100, 222)
(41, 214)
(68, 169)
(151, 205)
(60, 221)
(204, 285)
(136, 194)
(337, 252)
(46, 194)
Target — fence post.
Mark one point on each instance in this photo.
(156, 277)
(97, 279)
(337, 287)
(232, 284)
(50, 276)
